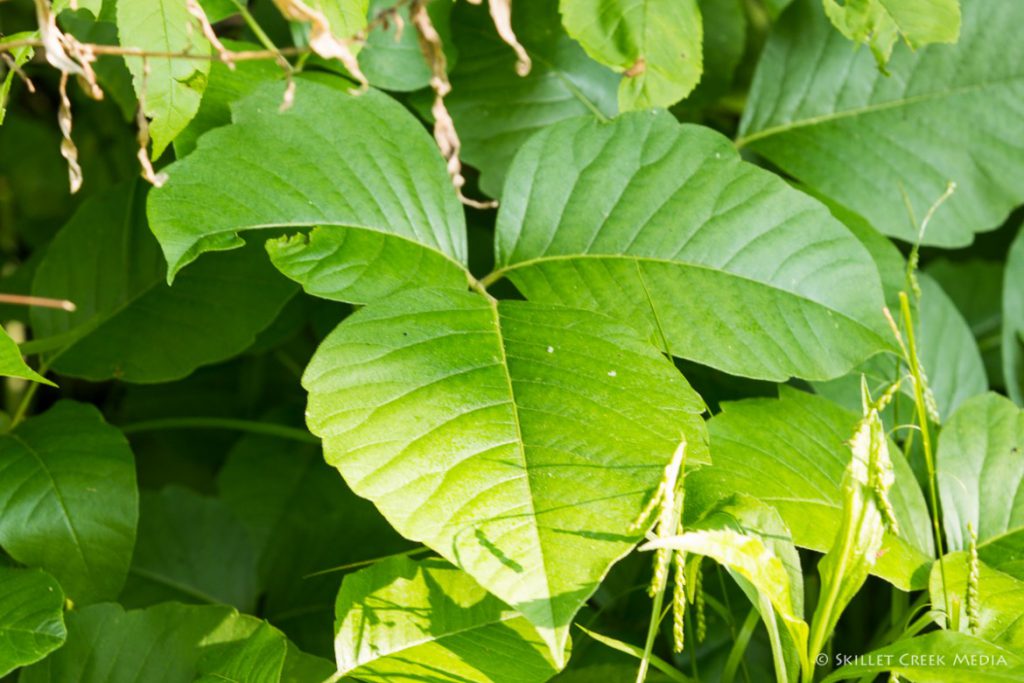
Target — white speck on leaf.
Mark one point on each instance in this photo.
(612, 373)
(551, 349)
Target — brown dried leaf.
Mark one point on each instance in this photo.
(211, 36)
(67, 145)
(501, 14)
(321, 39)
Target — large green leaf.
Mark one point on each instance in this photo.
(172, 643)
(791, 453)
(12, 364)
(939, 657)
(664, 226)
(656, 45)
(981, 480)
(108, 263)
(31, 617)
(391, 58)
(371, 178)
(174, 87)
(496, 110)
(1013, 321)
(190, 548)
(68, 499)
(826, 115)
(999, 599)
(518, 440)
(407, 621)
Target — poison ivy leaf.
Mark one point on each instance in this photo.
(407, 621)
(656, 45)
(999, 600)
(939, 657)
(791, 453)
(226, 85)
(495, 110)
(108, 263)
(1013, 321)
(826, 115)
(31, 617)
(376, 186)
(981, 480)
(13, 365)
(275, 497)
(392, 59)
(190, 548)
(626, 216)
(171, 642)
(879, 23)
(517, 440)
(173, 88)
(68, 500)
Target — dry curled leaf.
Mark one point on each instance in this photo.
(321, 39)
(501, 14)
(211, 36)
(142, 123)
(67, 145)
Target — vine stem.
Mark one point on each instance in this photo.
(250, 426)
(119, 50)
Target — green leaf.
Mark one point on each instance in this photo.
(399, 64)
(1013, 321)
(20, 56)
(939, 657)
(173, 87)
(107, 262)
(981, 480)
(405, 621)
(623, 217)
(13, 365)
(172, 643)
(656, 45)
(68, 500)
(190, 548)
(824, 114)
(31, 617)
(373, 180)
(495, 110)
(1000, 599)
(879, 23)
(791, 453)
(517, 440)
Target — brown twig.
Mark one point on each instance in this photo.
(42, 301)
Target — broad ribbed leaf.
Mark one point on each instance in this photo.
(391, 58)
(13, 365)
(108, 263)
(171, 643)
(1013, 321)
(404, 621)
(981, 480)
(68, 499)
(190, 548)
(495, 110)
(825, 114)
(31, 617)
(369, 175)
(174, 87)
(656, 45)
(663, 225)
(258, 659)
(939, 657)
(998, 602)
(518, 440)
(791, 453)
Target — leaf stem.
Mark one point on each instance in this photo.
(652, 632)
(250, 426)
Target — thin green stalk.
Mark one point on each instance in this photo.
(250, 426)
(652, 632)
(26, 398)
(365, 563)
(739, 645)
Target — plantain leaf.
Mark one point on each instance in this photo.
(13, 365)
(999, 599)
(656, 45)
(376, 186)
(981, 480)
(406, 621)
(663, 225)
(107, 262)
(1013, 321)
(791, 453)
(495, 109)
(825, 114)
(173, 88)
(68, 499)
(517, 440)
(31, 617)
